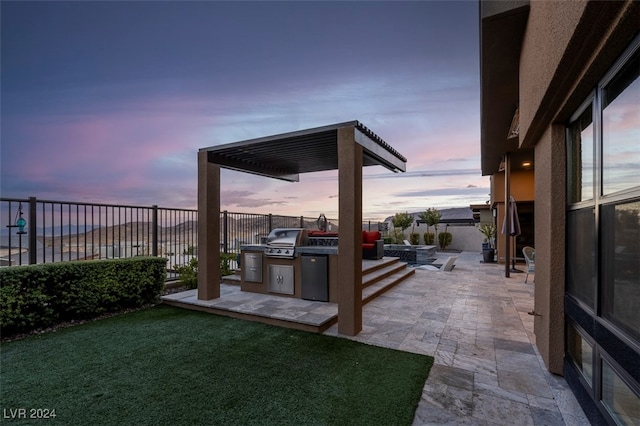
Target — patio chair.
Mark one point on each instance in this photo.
(372, 245)
(529, 257)
(446, 266)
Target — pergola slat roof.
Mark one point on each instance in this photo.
(285, 156)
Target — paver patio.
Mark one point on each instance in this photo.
(473, 320)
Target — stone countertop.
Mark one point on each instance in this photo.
(314, 250)
(253, 247)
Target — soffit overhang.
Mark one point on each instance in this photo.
(502, 28)
(286, 155)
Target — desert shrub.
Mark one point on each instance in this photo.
(188, 273)
(225, 263)
(414, 238)
(36, 296)
(444, 238)
(428, 238)
(397, 236)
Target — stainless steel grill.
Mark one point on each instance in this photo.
(282, 242)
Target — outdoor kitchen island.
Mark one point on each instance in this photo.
(288, 265)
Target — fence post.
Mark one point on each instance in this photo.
(225, 231)
(301, 221)
(154, 234)
(270, 222)
(32, 231)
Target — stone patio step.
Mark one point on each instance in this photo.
(231, 279)
(389, 281)
(313, 316)
(369, 266)
(371, 276)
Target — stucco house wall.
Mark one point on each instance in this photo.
(566, 49)
(566, 52)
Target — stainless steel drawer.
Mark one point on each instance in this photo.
(252, 266)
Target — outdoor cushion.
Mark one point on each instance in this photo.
(370, 237)
(372, 245)
(322, 234)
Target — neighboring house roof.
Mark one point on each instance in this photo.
(452, 215)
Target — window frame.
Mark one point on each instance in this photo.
(589, 101)
(591, 387)
(599, 202)
(619, 64)
(604, 314)
(602, 357)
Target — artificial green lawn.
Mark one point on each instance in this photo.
(165, 365)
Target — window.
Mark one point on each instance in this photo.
(581, 353)
(621, 129)
(602, 268)
(618, 398)
(621, 260)
(580, 157)
(581, 255)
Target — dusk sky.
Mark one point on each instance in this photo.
(109, 102)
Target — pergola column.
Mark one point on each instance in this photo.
(350, 233)
(208, 228)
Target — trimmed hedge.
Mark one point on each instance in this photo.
(445, 238)
(36, 296)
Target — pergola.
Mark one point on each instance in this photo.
(346, 147)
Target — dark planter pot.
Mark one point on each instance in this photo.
(485, 246)
(488, 255)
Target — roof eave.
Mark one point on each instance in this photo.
(501, 36)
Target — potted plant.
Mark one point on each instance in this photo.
(488, 248)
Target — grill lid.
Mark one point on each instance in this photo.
(287, 237)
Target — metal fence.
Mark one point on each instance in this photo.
(37, 231)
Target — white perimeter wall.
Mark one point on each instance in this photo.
(465, 237)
